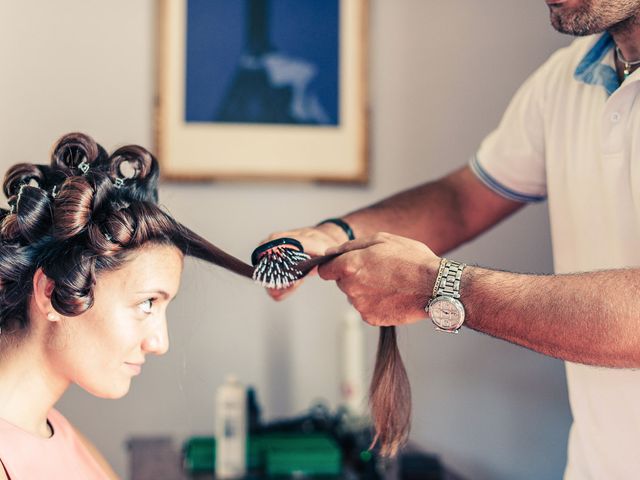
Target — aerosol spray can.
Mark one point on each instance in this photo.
(231, 429)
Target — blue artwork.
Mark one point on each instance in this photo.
(263, 61)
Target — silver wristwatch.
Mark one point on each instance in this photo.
(445, 308)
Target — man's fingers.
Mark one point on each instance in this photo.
(288, 234)
(278, 295)
(338, 268)
(312, 245)
(281, 293)
(315, 242)
(357, 244)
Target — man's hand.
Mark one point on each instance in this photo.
(387, 278)
(315, 241)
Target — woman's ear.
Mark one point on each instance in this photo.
(42, 289)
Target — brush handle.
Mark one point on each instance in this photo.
(278, 242)
(308, 265)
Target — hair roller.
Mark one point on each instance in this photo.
(71, 301)
(14, 261)
(103, 195)
(52, 179)
(32, 218)
(73, 274)
(110, 230)
(142, 180)
(21, 174)
(73, 207)
(120, 226)
(16, 272)
(74, 151)
(101, 242)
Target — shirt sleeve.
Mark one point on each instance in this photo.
(511, 159)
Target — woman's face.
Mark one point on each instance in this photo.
(103, 348)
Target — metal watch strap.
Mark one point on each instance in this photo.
(448, 281)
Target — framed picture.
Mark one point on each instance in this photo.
(263, 89)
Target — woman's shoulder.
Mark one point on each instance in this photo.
(61, 428)
(17, 446)
(64, 426)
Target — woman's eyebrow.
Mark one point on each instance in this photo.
(157, 291)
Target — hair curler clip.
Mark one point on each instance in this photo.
(83, 167)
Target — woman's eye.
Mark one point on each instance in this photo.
(147, 305)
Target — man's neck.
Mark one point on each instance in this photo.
(627, 38)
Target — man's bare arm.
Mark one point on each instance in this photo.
(591, 318)
(442, 214)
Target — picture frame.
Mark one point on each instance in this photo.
(207, 124)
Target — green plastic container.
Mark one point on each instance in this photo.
(274, 454)
(299, 454)
(199, 454)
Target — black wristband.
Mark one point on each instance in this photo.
(342, 224)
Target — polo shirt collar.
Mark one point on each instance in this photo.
(594, 69)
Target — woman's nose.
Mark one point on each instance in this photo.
(157, 341)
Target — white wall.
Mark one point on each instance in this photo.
(441, 74)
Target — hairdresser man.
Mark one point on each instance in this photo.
(571, 135)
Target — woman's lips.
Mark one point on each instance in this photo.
(135, 368)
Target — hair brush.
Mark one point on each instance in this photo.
(281, 262)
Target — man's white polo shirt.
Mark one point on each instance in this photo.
(572, 135)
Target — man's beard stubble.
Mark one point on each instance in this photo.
(595, 17)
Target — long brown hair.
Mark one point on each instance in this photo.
(389, 391)
(79, 216)
(390, 396)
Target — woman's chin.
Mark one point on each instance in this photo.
(113, 393)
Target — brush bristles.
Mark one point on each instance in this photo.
(277, 268)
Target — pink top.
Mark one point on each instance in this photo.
(61, 456)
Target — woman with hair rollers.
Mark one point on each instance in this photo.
(88, 264)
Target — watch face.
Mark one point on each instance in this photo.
(447, 313)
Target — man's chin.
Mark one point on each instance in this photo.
(573, 30)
